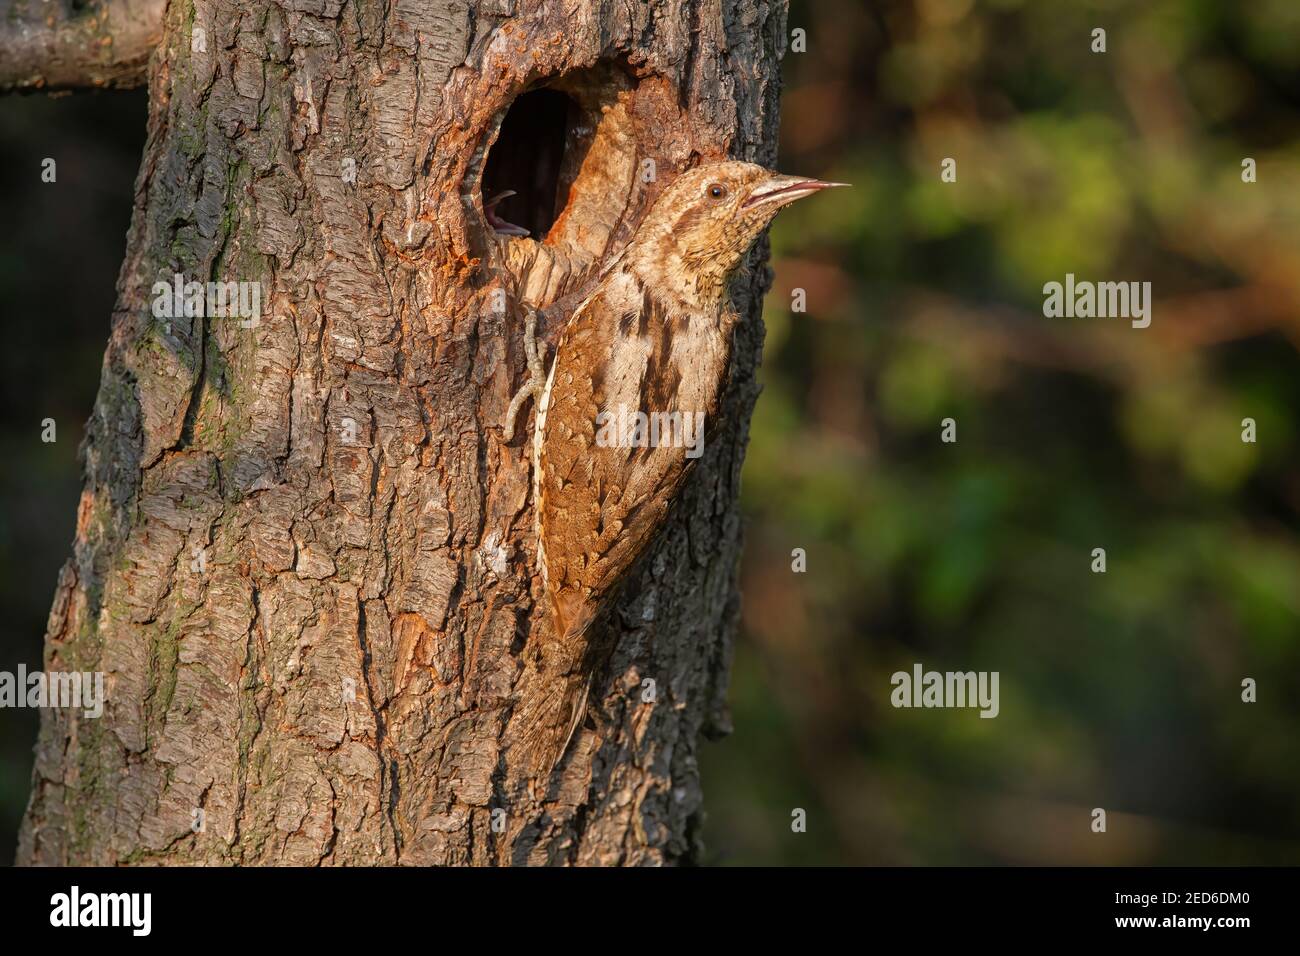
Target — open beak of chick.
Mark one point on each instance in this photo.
(499, 225)
(782, 190)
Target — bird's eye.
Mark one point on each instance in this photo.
(716, 190)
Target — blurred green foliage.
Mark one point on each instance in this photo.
(1119, 690)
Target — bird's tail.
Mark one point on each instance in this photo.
(553, 696)
(577, 707)
(552, 709)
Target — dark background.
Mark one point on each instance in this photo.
(61, 245)
(1118, 690)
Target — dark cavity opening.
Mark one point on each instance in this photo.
(527, 159)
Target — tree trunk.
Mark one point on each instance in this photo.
(304, 558)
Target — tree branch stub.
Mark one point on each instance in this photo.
(62, 46)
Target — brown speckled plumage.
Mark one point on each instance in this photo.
(654, 336)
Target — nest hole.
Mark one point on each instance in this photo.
(527, 160)
(574, 153)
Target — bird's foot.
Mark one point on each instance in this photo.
(536, 376)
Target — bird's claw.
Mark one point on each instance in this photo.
(536, 376)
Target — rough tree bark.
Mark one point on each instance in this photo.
(304, 558)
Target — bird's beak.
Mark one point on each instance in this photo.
(783, 190)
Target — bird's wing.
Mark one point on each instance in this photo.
(600, 504)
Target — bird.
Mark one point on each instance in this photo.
(500, 226)
(633, 390)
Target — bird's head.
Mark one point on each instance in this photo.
(699, 229)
